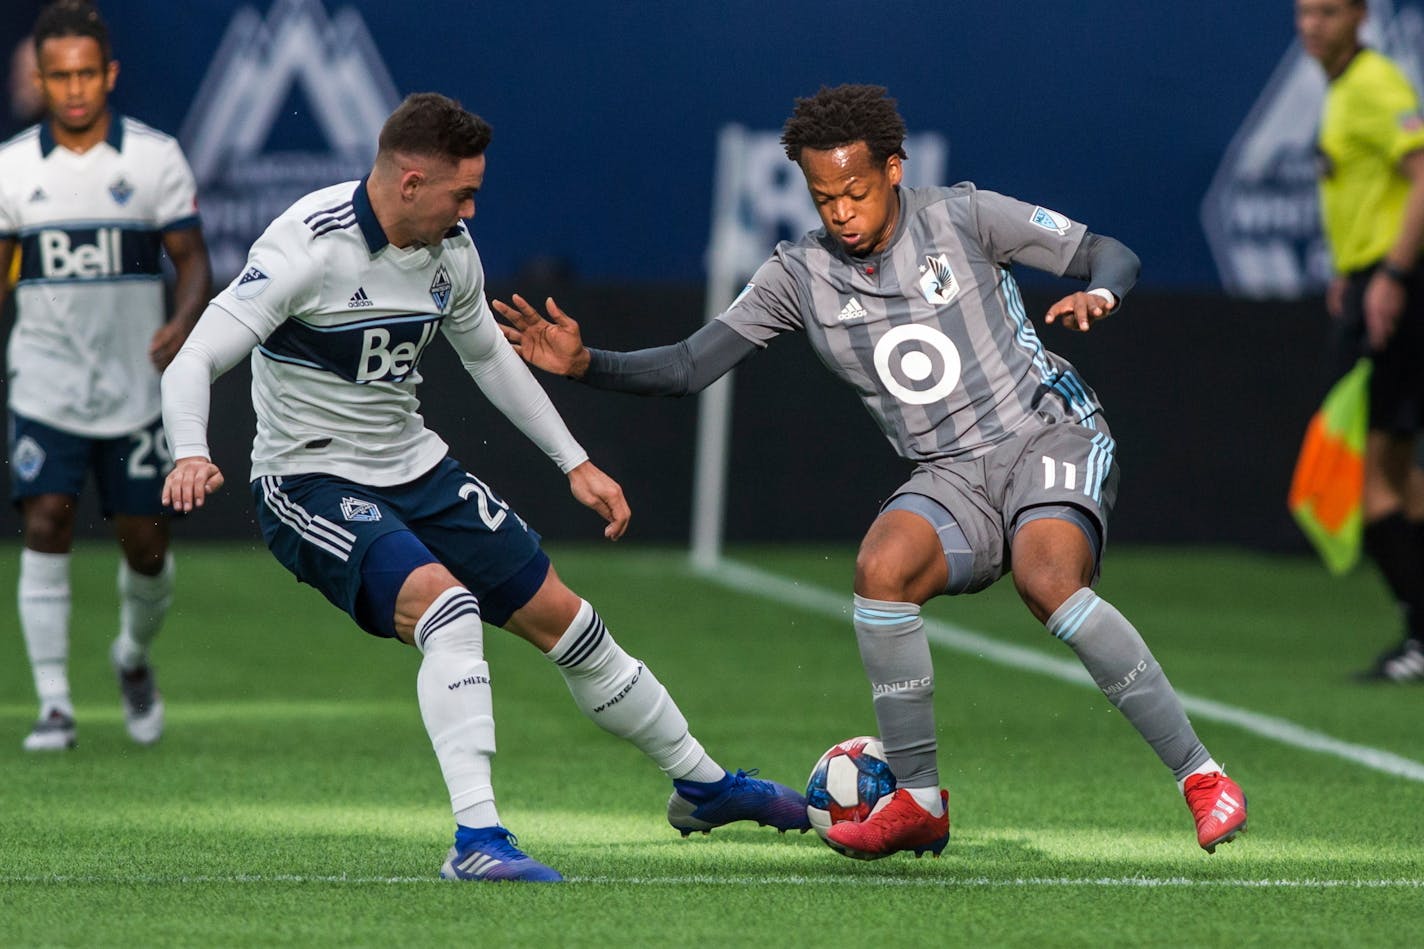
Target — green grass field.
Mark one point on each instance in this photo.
(295, 799)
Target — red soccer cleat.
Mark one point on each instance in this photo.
(900, 825)
(1218, 806)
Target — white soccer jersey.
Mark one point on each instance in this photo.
(343, 317)
(90, 297)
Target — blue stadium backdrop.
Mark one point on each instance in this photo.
(1182, 129)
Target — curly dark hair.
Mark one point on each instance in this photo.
(427, 123)
(71, 18)
(843, 115)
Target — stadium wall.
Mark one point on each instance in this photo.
(1207, 398)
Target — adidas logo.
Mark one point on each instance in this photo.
(1225, 806)
(359, 299)
(851, 311)
(39, 195)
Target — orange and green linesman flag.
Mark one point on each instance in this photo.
(1326, 489)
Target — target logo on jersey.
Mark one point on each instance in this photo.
(917, 364)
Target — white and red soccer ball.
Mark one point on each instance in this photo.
(849, 783)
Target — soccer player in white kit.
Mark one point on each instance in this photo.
(91, 201)
(339, 298)
(907, 296)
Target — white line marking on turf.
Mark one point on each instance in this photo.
(787, 880)
(836, 605)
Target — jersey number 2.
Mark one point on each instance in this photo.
(147, 449)
(484, 497)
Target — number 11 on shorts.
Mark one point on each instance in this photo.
(1050, 473)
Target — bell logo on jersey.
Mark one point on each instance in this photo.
(380, 362)
(61, 258)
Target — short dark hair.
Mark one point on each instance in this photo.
(71, 18)
(844, 115)
(430, 124)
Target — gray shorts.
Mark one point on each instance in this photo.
(1064, 463)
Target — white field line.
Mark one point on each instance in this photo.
(758, 582)
(980, 882)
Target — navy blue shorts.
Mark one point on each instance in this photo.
(320, 527)
(128, 469)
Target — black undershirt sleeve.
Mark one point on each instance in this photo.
(1106, 263)
(684, 368)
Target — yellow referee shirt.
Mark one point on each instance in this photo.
(1371, 121)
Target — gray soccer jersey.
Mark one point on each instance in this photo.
(932, 331)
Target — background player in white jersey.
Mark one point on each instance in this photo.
(907, 295)
(91, 200)
(356, 497)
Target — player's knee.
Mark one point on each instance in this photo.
(421, 588)
(899, 573)
(1044, 590)
(145, 547)
(880, 576)
(48, 523)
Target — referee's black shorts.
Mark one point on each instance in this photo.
(1397, 380)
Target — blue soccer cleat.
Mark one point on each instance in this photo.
(740, 796)
(490, 853)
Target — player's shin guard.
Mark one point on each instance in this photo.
(453, 687)
(623, 697)
(1123, 667)
(896, 656)
(143, 604)
(44, 618)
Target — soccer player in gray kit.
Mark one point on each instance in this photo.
(907, 295)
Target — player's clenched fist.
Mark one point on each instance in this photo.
(190, 482)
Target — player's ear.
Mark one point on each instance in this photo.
(111, 75)
(411, 181)
(894, 170)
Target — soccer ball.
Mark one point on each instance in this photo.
(849, 783)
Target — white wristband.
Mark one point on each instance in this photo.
(1106, 295)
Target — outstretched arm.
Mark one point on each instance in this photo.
(556, 345)
(217, 343)
(512, 389)
(1110, 269)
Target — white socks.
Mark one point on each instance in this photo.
(143, 603)
(44, 619)
(624, 698)
(928, 798)
(453, 687)
(1206, 767)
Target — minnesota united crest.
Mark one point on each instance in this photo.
(937, 282)
(440, 289)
